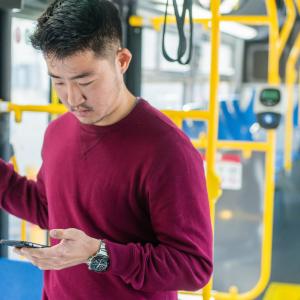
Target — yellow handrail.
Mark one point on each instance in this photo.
(290, 81)
(157, 22)
(288, 25)
(193, 114)
(234, 145)
(249, 20)
(213, 181)
(19, 109)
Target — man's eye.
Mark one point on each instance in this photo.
(86, 84)
(59, 83)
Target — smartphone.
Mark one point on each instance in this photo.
(21, 244)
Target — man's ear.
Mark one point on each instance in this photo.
(124, 57)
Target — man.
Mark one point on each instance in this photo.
(121, 189)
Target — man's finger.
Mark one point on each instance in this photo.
(17, 251)
(42, 252)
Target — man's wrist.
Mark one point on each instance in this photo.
(95, 246)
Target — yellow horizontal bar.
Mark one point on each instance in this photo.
(136, 21)
(234, 145)
(158, 21)
(251, 20)
(60, 109)
(192, 114)
(51, 108)
(254, 146)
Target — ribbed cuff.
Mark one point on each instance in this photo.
(121, 258)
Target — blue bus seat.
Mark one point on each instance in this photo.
(20, 280)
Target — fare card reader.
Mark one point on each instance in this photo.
(269, 107)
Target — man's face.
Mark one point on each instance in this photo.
(89, 86)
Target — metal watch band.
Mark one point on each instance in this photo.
(102, 252)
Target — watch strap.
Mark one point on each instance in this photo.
(102, 251)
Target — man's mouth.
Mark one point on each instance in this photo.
(82, 112)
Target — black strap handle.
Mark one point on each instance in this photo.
(182, 45)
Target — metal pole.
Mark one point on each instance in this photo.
(5, 75)
(134, 44)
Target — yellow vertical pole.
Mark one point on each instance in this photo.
(288, 25)
(291, 76)
(23, 230)
(273, 79)
(23, 223)
(212, 182)
(54, 99)
(298, 5)
(286, 30)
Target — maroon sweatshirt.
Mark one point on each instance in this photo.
(138, 184)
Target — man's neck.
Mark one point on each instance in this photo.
(125, 107)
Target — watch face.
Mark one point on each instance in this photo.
(99, 263)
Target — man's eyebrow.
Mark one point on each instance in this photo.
(82, 75)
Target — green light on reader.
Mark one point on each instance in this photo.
(270, 97)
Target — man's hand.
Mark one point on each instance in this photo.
(74, 249)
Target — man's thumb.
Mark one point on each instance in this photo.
(57, 233)
(69, 234)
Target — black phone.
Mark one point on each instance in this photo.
(21, 244)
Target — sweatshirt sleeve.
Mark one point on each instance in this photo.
(180, 216)
(23, 198)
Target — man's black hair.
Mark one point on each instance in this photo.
(71, 26)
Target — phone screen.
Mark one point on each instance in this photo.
(21, 244)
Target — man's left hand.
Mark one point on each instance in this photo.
(74, 248)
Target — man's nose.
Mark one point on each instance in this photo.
(75, 97)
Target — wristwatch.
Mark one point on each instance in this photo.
(100, 261)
